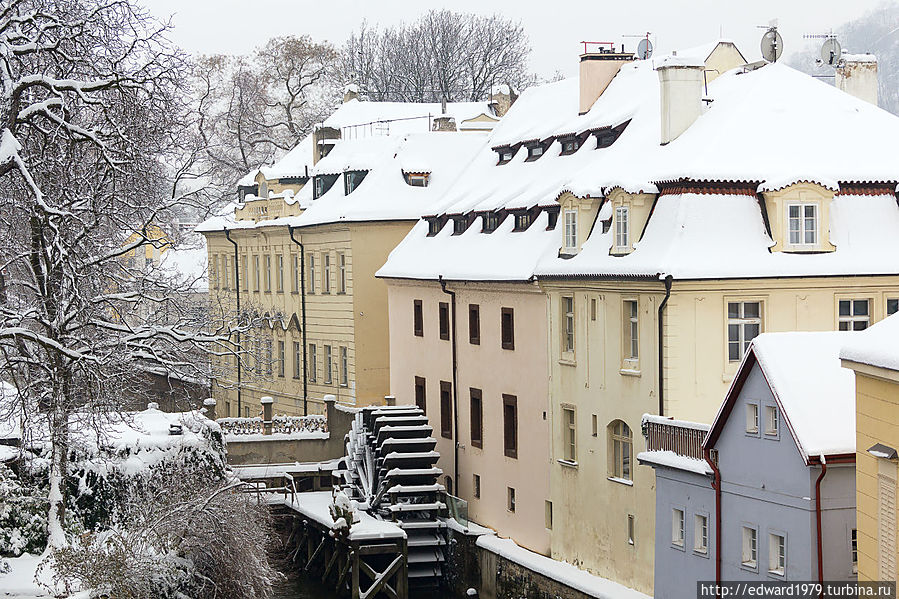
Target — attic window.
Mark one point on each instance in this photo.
(570, 146)
(460, 224)
(552, 215)
(322, 183)
(505, 153)
(417, 179)
(434, 225)
(606, 137)
(522, 221)
(491, 222)
(352, 180)
(534, 152)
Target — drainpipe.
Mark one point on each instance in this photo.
(668, 281)
(818, 520)
(452, 295)
(302, 317)
(717, 486)
(237, 292)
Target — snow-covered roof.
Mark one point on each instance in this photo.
(816, 395)
(766, 127)
(875, 346)
(360, 119)
(670, 459)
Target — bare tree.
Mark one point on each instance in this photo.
(443, 56)
(91, 98)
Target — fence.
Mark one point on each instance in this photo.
(279, 424)
(683, 438)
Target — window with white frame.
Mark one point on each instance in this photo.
(771, 420)
(257, 274)
(750, 551)
(744, 323)
(568, 319)
(341, 265)
(326, 273)
(571, 230)
(569, 434)
(295, 282)
(344, 367)
(313, 363)
(297, 360)
(279, 279)
(752, 418)
(677, 527)
(701, 533)
(281, 358)
(803, 224)
(310, 259)
(631, 330)
(268, 273)
(245, 284)
(854, 314)
(328, 365)
(777, 554)
(621, 228)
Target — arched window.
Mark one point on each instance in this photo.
(620, 450)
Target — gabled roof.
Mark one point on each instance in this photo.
(815, 394)
(875, 346)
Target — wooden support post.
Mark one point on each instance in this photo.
(355, 576)
(402, 583)
(343, 571)
(335, 551)
(315, 553)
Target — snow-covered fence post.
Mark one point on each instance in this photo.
(267, 406)
(390, 400)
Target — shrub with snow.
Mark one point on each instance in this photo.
(23, 515)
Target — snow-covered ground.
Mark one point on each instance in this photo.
(19, 581)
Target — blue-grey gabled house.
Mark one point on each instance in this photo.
(777, 501)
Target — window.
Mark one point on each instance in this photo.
(352, 180)
(246, 411)
(279, 279)
(328, 365)
(326, 273)
(510, 499)
(744, 323)
(630, 529)
(771, 420)
(460, 224)
(257, 275)
(417, 179)
(417, 319)
(522, 221)
(244, 269)
(631, 330)
(621, 229)
(508, 328)
(568, 320)
(701, 533)
(548, 514)
(297, 360)
(268, 356)
(570, 146)
(476, 410)
(295, 280)
(434, 226)
(593, 308)
(677, 527)
(491, 222)
(225, 280)
(534, 152)
(310, 284)
(595, 425)
(571, 230)
(510, 426)
(443, 312)
(313, 363)
(268, 273)
(752, 418)
(750, 548)
(341, 266)
(477, 487)
(420, 397)
(344, 367)
(321, 185)
(569, 434)
(474, 324)
(853, 549)
(281, 358)
(552, 217)
(892, 306)
(446, 410)
(803, 224)
(854, 315)
(620, 438)
(777, 554)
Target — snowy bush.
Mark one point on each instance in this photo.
(23, 515)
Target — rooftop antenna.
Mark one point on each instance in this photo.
(772, 45)
(644, 48)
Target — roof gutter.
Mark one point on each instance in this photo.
(818, 519)
(452, 295)
(303, 318)
(716, 484)
(668, 281)
(238, 361)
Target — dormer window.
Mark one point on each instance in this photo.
(803, 224)
(417, 179)
(460, 224)
(435, 223)
(552, 217)
(622, 231)
(321, 185)
(352, 180)
(570, 146)
(505, 153)
(605, 137)
(535, 151)
(491, 222)
(570, 232)
(522, 221)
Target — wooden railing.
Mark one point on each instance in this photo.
(683, 438)
(279, 424)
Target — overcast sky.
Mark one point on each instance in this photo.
(555, 28)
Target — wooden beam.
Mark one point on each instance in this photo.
(343, 571)
(380, 549)
(381, 579)
(355, 584)
(315, 554)
(334, 553)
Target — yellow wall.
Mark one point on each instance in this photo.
(776, 203)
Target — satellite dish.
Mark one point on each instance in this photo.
(772, 45)
(644, 49)
(830, 52)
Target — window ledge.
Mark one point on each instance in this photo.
(630, 372)
(567, 361)
(568, 463)
(701, 552)
(749, 567)
(620, 481)
(779, 574)
(678, 546)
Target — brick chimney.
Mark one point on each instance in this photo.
(596, 72)
(681, 88)
(856, 74)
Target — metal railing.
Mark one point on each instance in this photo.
(682, 438)
(261, 488)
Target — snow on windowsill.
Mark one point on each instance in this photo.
(568, 463)
(622, 481)
(630, 372)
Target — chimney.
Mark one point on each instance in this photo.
(856, 74)
(501, 99)
(596, 72)
(444, 123)
(350, 92)
(681, 87)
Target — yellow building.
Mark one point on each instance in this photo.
(301, 249)
(874, 356)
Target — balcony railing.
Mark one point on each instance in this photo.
(681, 437)
(279, 424)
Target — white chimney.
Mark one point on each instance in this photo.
(856, 74)
(681, 82)
(596, 73)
